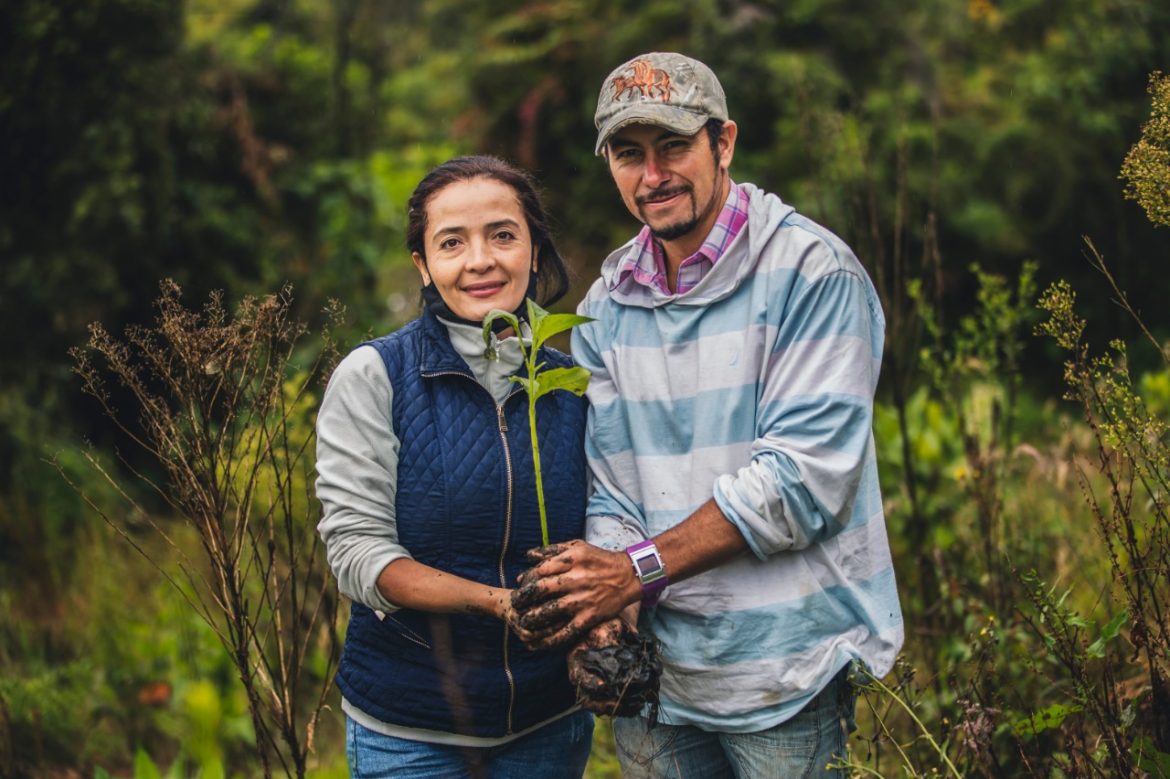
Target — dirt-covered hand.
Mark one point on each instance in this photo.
(616, 670)
(512, 618)
(571, 588)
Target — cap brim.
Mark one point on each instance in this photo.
(672, 118)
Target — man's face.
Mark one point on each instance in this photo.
(674, 183)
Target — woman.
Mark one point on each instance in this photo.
(425, 476)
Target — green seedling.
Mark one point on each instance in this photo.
(540, 382)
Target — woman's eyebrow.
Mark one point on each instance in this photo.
(502, 223)
(448, 229)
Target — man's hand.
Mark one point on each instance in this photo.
(571, 588)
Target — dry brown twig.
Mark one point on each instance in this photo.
(225, 414)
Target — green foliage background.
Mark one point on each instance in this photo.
(239, 144)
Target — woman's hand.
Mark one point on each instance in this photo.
(507, 612)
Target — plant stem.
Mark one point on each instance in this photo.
(926, 733)
(536, 466)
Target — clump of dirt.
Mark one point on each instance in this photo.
(621, 678)
(616, 670)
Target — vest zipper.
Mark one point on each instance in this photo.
(502, 424)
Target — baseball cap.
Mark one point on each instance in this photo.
(664, 89)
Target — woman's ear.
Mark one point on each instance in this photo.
(421, 264)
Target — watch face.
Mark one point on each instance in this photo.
(648, 565)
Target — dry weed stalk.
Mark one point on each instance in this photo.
(226, 416)
(1133, 457)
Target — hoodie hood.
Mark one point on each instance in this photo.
(765, 213)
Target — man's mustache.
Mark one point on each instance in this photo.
(661, 194)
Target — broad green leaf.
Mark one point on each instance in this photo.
(552, 324)
(178, 770)
(574, 380)
(1043, 720)
(1113, 629)
(1149, 759)
(144, 767)
(1108, 633)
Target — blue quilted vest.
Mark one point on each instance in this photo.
(466, 503)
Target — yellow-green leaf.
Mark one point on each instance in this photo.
(574, 380)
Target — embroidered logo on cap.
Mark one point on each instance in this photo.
(646, 80)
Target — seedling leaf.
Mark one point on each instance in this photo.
(524, 382)
(540, 382)
(489, 320)
(574, 380)
(536, 315)
(556, 323)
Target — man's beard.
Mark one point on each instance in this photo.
(678, 229)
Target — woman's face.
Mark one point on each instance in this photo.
(478, 247)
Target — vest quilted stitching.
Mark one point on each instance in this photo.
(447, 672)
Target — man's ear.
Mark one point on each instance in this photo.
(421, 264)
(607, 158)
(726, 143)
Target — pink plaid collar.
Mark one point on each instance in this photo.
(645, 262)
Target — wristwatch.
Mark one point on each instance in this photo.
(649, 569)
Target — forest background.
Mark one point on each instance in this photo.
(965, 149)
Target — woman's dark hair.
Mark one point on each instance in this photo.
(552, 277)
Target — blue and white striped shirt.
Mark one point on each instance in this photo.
(755, 387)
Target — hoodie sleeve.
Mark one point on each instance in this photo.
(611, 520)
(357, 477)
(814, 431)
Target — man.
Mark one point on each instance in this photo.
(735, 354)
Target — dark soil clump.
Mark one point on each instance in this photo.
(623, 677)
(616, 670)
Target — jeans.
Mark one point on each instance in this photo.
(559, 750)
(800, 747)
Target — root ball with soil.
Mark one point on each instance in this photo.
(616, 669)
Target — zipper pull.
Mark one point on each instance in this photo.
(503, 421)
